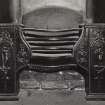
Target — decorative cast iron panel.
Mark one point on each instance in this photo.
(14, 56)
(90, 55)
(6, 65)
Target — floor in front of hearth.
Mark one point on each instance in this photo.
(52, 97)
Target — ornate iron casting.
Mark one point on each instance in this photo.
(14, 56)
(89, 52)
(82, 50)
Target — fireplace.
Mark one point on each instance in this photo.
(56, 45)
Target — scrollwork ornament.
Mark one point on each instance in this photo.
(22, 55)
